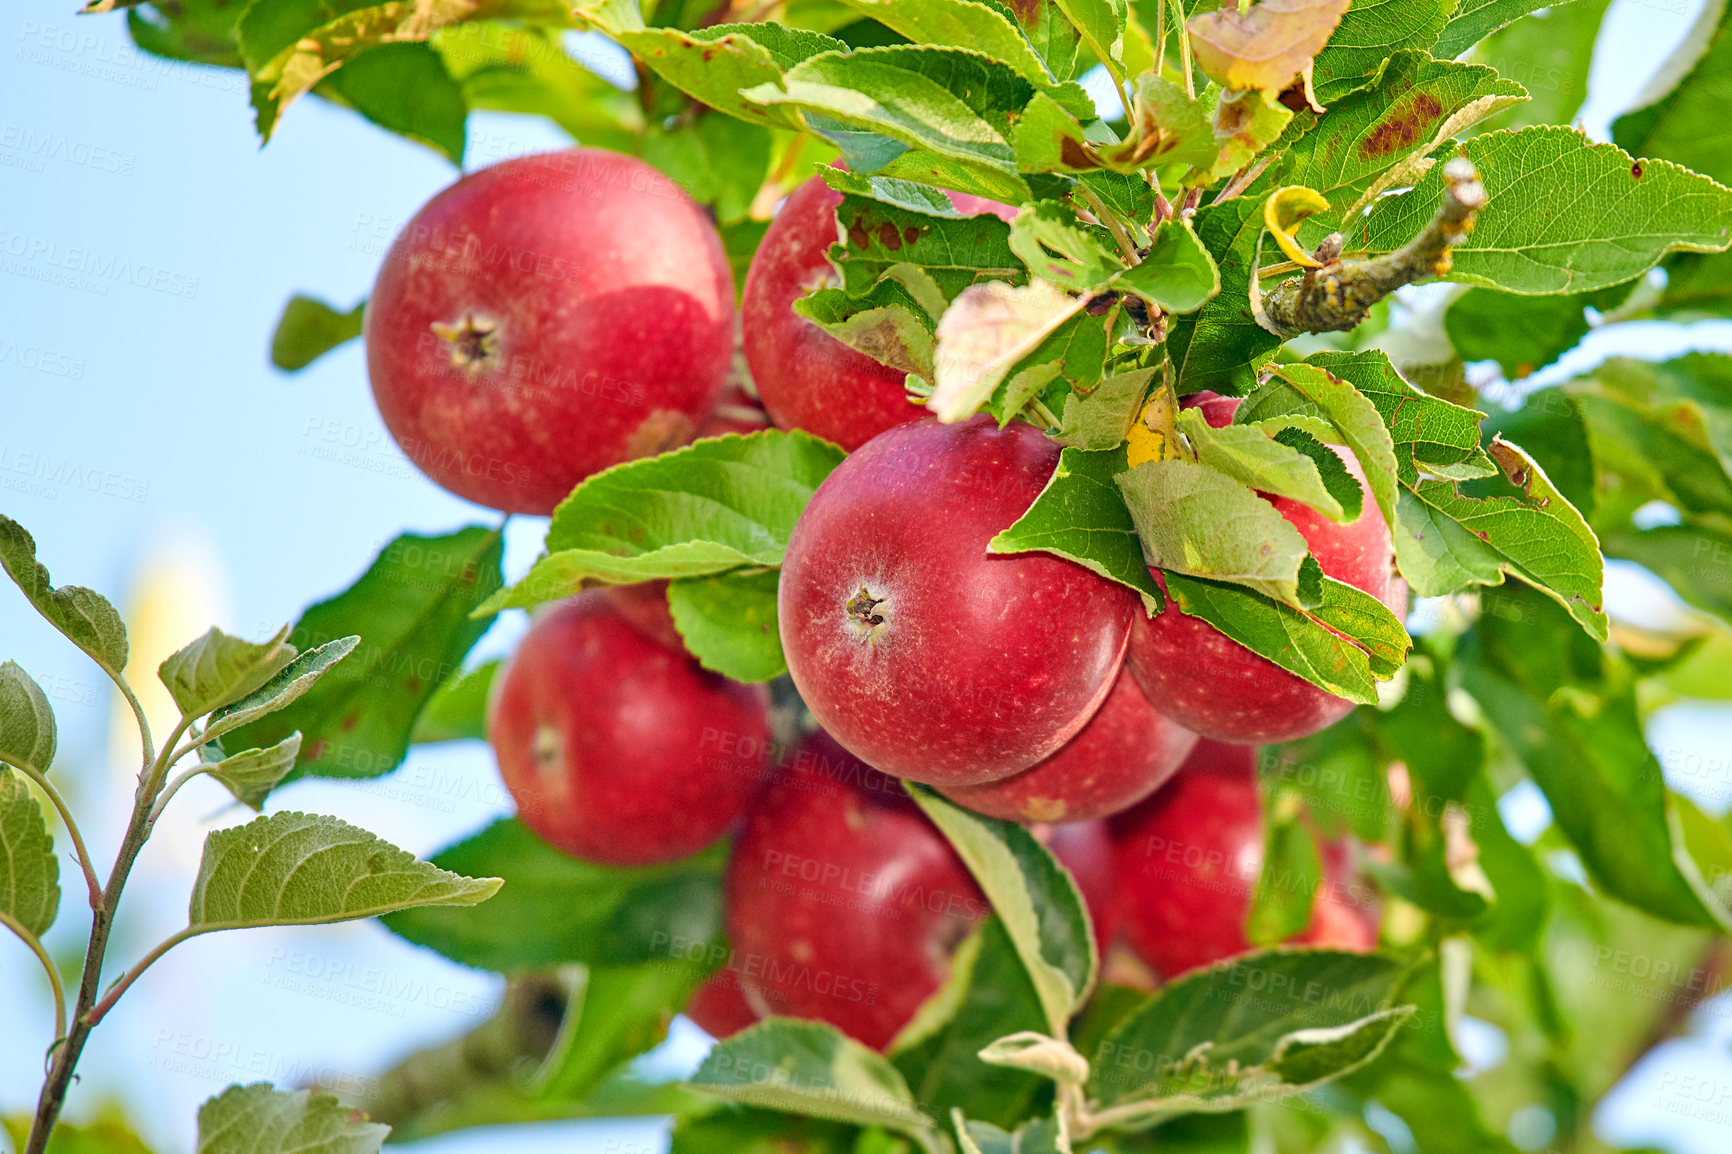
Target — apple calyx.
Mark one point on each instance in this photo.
(865, 615)
(474, 342)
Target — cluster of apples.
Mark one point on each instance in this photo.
(554, 315)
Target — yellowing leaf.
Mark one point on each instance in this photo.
(984, 333)
(1266, 47)
(1283, 212)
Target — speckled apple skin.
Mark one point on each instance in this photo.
(844, 903)
(614, 312)
(618, 749)
(983, 663)
(1188, 860)
(1124, 753)
(807, 378)
(1209, 683)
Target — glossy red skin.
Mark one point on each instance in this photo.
(615, 320)
(984, 663)
(807, 378)
(1085, 848)
(645, 605)
(719, 1006)
(1188, 860)
(619, 750)
(843, 902)
(1209, 683)
(1122, 755)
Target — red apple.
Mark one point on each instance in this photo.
(1188, 861)
(918, 650)
(844, 903)
(1209, 683)
(1121, 756)
(737, 412)
(807, 378)
(545, 318)
(645, 605)
(616, 748)
(719, 1006)
(1085, 848)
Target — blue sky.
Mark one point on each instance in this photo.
(147, 244)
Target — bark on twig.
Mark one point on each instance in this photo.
(1337, 297)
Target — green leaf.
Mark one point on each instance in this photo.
(944, 101)
(885, 232)
(1587, 752)
(1300, 641)
(506, 67)
(1446, 541)
(1291, 464)
(1101, 24)
(458, 710)
(718, 504)
(620, 1012)
(1695, 560)
(889, 324)
(198, 30)
(1203, 523)
(715, 65)
(1698, 286)
(742, 1131)
(308, 329)
(290, 683)
(1036, 898)
(1426, 432)
(1058, 247)
(993, 997)
(412, 608)
(1081, 516)
(1101, 419)
(83, 615)
(810, 1068)
(1520, 333)
(406, 89)
(251, 774)
(1252, 1029)
(27, 730)
(1686, 124)
(1358, 421)
(1669, 424)
(1550, 54)
(1221, 346)
(1177, 273)
(29, 871)
(1282, 900)
(217, 669)
(1037, 1136)
(718, 161)
(260, 1119)
(1549, 426)
(1416, 105)
(728, 621)
(1474, 20)
(990, 28)
(1625, 216)
(1370, 32)
(555, 909)
(296, 869)
(101, 1137)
